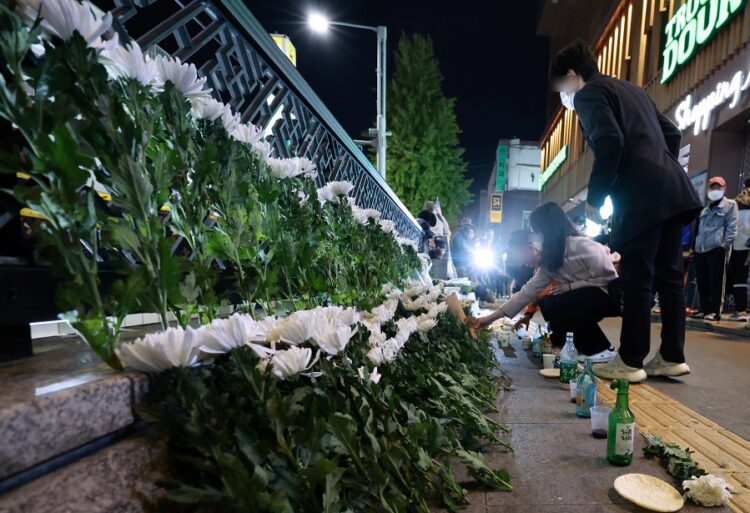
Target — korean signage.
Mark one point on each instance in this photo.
(697, 112)
(502, 167)
(553, 166)
(692, 26)
(496, 207)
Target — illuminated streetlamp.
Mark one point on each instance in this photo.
(320, 24)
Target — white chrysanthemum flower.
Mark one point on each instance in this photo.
(437, 309)
(263, 352)
(375, 376)
(339, 316)
(415, 305)
(292, 361)
(128, 62)
(299, 327)
(252, 135)
(333, 192)
(390, 349)
(157, 352)
(365, 215)
(63, 18)
(381, 314)
(376, 339)
(207, 108)
(289, 168)
(709, 490)
(407, 324)
(407, 242)
(415, 290)
(335, 339)
(387, 226)
(375, 355)
(426, 325)
(341, 188)
(184, 77)
(230, 120)
(223, 335)
(325, 195)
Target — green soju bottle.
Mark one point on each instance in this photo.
(585, 391)
(621, 433)
(568, 362)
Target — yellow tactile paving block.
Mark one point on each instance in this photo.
(718, 450)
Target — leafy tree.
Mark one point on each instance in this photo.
(425, 160)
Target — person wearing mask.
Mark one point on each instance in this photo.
(635, 150)
(738, 268)
(427, 221)
(717, 229)
(571, 285)
(441, 231)
(462, 246)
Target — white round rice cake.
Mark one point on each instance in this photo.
(550, 373)
(649, 492)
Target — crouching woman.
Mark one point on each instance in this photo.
(577, 275)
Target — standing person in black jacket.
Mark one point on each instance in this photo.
(635, 163)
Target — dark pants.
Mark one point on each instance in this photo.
(652, 261)
(578, 311)
(710, 269)
(738, 278)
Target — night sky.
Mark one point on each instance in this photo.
(493, 62)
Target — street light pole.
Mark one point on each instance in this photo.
(381, 89)
(320, 24)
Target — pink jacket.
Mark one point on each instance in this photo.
(586, 264)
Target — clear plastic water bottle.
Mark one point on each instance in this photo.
(586, 391)
(568, 362)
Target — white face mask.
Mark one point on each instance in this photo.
(567, 100)
(715, 194)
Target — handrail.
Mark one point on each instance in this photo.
(247, 70)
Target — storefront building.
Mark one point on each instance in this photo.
(693, 58)
(514, 183)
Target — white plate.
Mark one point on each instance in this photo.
(649, 492)
(550, 373)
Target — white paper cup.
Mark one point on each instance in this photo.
(548, 360)
(600, 420)
(573, 389)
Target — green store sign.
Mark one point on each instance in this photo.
(691, 27)
(502, 167)
(553, 166)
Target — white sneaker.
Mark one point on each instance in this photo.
(660, 367)
(605, 356)
(617, 369)
(713, 317)
(739, 317)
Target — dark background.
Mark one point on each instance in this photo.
(493, 62)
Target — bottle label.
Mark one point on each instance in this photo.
(568, 371)
(624, 435)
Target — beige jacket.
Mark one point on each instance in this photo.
(586, 264)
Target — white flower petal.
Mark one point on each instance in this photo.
(184, 77)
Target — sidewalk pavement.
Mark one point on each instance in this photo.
(557, 466)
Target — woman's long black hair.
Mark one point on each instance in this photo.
(550, 220)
